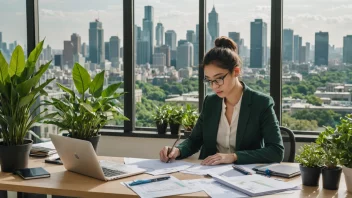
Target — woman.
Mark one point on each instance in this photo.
(237, 124)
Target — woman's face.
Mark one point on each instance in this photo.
(220, 80)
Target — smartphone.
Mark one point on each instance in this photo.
(32, 173)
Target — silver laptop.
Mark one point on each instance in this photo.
(75, 154)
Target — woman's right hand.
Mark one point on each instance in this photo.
(172, 155)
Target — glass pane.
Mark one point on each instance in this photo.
(13, 30)
(317, 72)
(247, 23)
(166, 44)
(86, 32)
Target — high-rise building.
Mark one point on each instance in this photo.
(58, 59)
(235, 36)
(191, 36)
(302, 56)
(159, 34)
(148, 29)
(159, 59)
(114, 51)
(165, 49)
(258, 51)
(347, 49)
(213, 24)
(180, 42)
(76, 41)
(84, 50)
(170, 39)
(184, 55)
(296, 48)
(300, 49)
(321, 48)
(307, 51)
(196, 54)
(287, 45)
(107, 50)
(68, 54)
(48, 53)
(96, 42)
(142, 52)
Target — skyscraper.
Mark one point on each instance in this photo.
(165, 49)
(184, 55)
(114, 52)
(181, 42)
(68, 54)
(96, 42)
(235, 36)
(258, 51)
(159, 34)
(58, 60)
(302, 56)
(148, 29)
(107, 50)
(142, 52)
(213, 24)
(307, 51)
(84, 50)
(287, 45)
(296, 48)
(170, 39)
(347, 49)
(321, 48)
(76, 41)
(159, 59)
(191, 36)
(300, 49)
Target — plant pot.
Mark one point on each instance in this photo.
(331, 178)
(310, 176)
(175, 128)
(15, 157)
(94, 140)
(161, 128)
(348, 177)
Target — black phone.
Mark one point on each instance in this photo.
(32, 173)
(54, 161)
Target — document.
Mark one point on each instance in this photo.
(157, 167)
(208, 170)
(214, 189)
(172, 186)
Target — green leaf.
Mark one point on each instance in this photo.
(41, 87)
(111, 89)
(81, 78)
(42, 69)
(88, 107)
(3, 68)
(17, 62)
(96, 87)
(26, 100)
(34, 55)
(25, 87)
(66, 89)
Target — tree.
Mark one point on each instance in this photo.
(312, 99)
(294, 124)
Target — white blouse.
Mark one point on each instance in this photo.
(226, 139)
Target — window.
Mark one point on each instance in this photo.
(248, 24)
(86, 32)
(166, 56)
(13, 30)
(317, 66)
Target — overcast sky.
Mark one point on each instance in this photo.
(60, 18)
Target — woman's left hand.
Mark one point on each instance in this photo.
(220, 158)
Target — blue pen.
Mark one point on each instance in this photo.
(241, 170)
(146, 181)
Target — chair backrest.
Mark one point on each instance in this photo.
(289, 141)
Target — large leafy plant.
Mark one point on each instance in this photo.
(161, 115)
(343, 140)
(84, 111)
(329, 142)
(19, 90)
(190, 118)
(311, 155)
(175, 114)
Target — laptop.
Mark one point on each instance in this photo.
(79, 156)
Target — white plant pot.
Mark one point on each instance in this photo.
(348, 177)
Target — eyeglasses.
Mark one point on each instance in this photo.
(218, 81)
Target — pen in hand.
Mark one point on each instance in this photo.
(169, 150)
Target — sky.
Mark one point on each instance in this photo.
(58, 19)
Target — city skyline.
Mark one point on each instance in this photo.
(71, 17)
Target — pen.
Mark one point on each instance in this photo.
(146, 181)
(169, 150)
(241, 170)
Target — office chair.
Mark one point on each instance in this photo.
(288, 138)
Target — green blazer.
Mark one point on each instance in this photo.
(258, 138)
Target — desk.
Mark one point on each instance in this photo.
(66, 183)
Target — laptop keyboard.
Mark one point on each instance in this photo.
(111, 173)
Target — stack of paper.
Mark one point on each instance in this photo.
(44, 149)
(169, 187)
(208, 170)
(157, 167)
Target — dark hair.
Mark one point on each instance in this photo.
(224, 54)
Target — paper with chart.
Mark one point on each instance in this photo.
(172, 186)
(207, 170)
(214, 189)
(157, 167)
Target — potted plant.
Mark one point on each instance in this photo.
(311, 161)
(190, 118)
(83, 111)
(343, 136)
(328, 141)
(175, 115)
(161, 118)
(19, 91)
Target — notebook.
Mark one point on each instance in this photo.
(255, 185)
(280, 170)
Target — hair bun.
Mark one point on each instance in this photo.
(226, 42)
